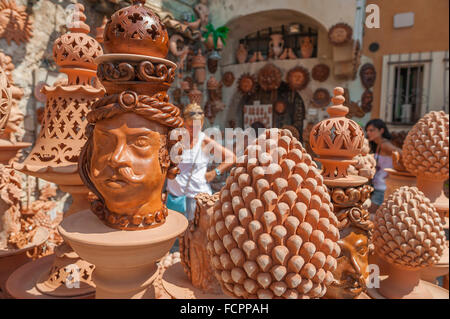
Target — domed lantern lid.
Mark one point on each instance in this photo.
(136, 30)
(337, 140)
(76, 51)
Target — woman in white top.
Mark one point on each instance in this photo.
(194, 177)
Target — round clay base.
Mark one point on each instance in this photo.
(178, 286)
(439, 269)
(22, 283)
(436, 291)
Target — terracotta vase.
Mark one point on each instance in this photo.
(276, 46)
(241, 54)
(199, 64)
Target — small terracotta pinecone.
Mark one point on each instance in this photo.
(425, 150)
(273, 232)
(408, 230)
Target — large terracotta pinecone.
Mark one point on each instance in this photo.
(408, 230)
(425, 150)
(273, 232)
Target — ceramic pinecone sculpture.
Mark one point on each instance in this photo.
(408, 230)
(273, 233)
(426, 148)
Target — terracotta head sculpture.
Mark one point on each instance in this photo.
(298, 78)
(125, 160)
(273, 232)
(355, 229)
(368, 75)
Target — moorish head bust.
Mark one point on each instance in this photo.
(126, 158)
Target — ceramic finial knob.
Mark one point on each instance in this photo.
(338, 109)
(78, 24)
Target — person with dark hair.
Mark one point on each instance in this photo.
(380, 144)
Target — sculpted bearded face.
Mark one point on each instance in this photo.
(125, 163)
(296, 79)
(351, 265)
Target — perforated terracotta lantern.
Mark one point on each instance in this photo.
(55, 154)
(337, 140)
(426, 155)
(409, 236)
(273, 233)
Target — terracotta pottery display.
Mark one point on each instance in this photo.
(320, 72)
(15, 22)
(269, 77)
(321, 98)
(273, 232)
(133, 228)
(306, 47)
(228, 79)
(340, 34)
(409, 236)
(426, 155)
(194, 257)
(366, 163)
(368, 75)
(199, 64)
(338, 141)
(366, 101)
(247, 84)
(297, 78)
(276, 46)
(241, 53)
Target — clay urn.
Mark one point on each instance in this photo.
(241, 54)
(273, 233)
(409, 236)
(337, 141)
(126, 161)
(199, 64)
(426, 155)
(276, 45)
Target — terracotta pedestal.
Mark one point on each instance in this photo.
(397, 179)
(431, 274)
(125, 262)
(433, 291)
(178, 286)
